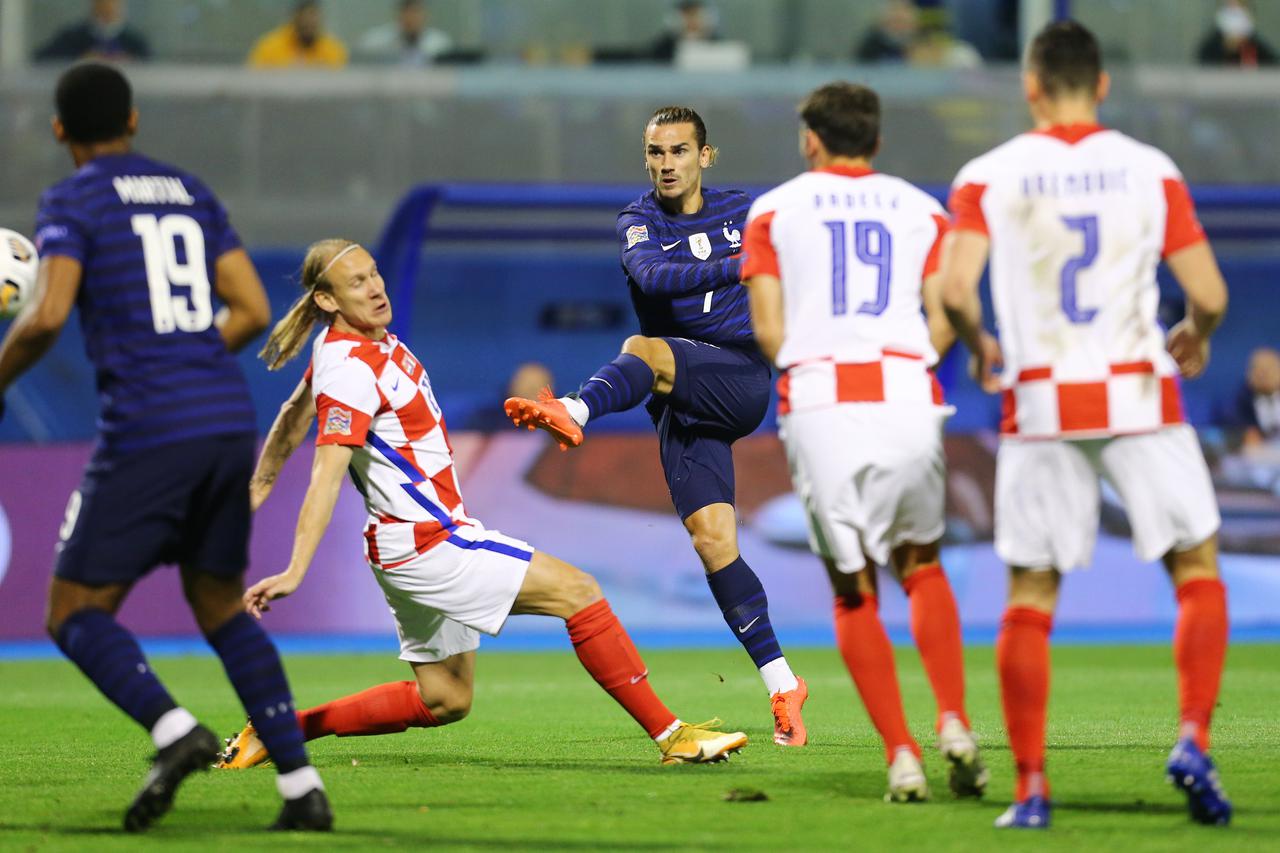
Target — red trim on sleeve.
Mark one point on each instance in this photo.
(1181, 228)
(758, 256)
(935, 251)
(966, 208)
(340, 423)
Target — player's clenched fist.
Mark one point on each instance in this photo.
(256, 597)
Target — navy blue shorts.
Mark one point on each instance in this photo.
(721, 393)
(185, 503)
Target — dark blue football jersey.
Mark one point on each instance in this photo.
(147, 237)
(683, 269)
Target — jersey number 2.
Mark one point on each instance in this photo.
(169, 312)
(873, 247)
(1088, 227)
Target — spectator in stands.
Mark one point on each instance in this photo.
(1257, 407)
(693, 21)
(409, 39)
(301, 42)
(892, 36)
(1233, 40)
(105, 34)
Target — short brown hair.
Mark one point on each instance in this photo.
(1065, 57)
(845, 116)
(682, 115)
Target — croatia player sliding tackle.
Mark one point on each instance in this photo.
(706, 382)
(835, 261)
(1076, 217)
(446, 578)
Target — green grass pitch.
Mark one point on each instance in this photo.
(546, 761)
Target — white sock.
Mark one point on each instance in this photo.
(577, 410)
(298, 783)
(778, 677)
(668, 731)
(171, 726)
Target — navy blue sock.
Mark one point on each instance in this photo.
(109, 655)
(746, 610)
(253, 665)
(622, 384)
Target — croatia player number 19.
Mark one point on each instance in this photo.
(160, 235)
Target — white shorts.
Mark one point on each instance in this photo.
(1047, 496)
(871, 475)
(442, 599)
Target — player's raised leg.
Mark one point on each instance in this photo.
(254, 669)
(81, 621)
(1199, 650)
(1022, 659)
(552, 587)
(935, 625)
(868, 655)
(645, 365)
(745, 607)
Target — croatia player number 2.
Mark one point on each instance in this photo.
(873, 247)
(1088, 228)
(166, 269)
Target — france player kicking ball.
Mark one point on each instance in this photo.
(446, 578)
(1075, 217)
(142, 248)
(839, 263)
(698, 365)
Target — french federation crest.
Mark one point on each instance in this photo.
(338, 422)
(700, 245)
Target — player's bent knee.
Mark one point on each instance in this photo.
(582, 591)
(637, 345)
(452, 707)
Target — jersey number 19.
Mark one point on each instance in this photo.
(873, 247)
(170, 312)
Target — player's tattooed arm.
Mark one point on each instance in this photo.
(327, 473)
(287, 433)
(767, 317)
(648, 265)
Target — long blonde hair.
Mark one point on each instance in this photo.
(290, 334)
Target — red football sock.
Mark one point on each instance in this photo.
(868, 656)
(935, 624)
(1199, 648)
(385, 709)
(1022, 657)
(609, 655)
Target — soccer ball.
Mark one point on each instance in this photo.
(18, 264)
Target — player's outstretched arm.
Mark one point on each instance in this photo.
(1196, 270)
(964, 256)
(327, 471)
(238, 286)
(767, 317)
(647, 264)
(38, 326)
(286, 434)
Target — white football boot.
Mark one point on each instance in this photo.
(906, 779)
(967, 776)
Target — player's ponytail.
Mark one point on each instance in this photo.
(290, 335)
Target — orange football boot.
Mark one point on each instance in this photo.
(546, 413)
(788, 725)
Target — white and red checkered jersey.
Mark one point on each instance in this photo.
(1079, 217)
(851, 248)
(375, 397)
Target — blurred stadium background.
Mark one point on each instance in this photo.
(489, 180)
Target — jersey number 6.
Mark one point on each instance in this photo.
(873, 247)
(169, 313)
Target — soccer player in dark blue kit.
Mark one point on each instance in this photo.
(697, 362)
(142, 248)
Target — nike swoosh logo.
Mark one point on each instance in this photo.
(747, 627)
(636, 679)
(672, 246)
(396, 385)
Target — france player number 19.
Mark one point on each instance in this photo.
(165, 270)
(873, 247)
